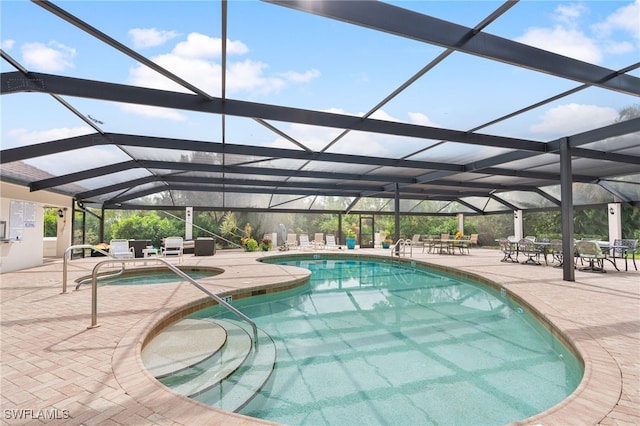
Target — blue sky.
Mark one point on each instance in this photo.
(285, 57)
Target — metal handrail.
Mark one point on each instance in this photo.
(400, 247)
(94, 292)
(88, 280)
(68, 250)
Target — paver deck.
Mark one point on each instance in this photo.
(54, 368)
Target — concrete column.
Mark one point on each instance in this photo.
(518, 224)
(614, 213)
(188, 224)
(460, 217)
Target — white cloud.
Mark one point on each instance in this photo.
(618, 48)
(194, 60)
(305, 77)
(7, 44)
(150, 37)
(567, 14)
(153, 112)
(200, 46)
(569, 119)
(248, 76)
(564, 41)
(626, 18)
(52, 57)
(422, 119)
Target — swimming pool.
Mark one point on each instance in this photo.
(371, 342)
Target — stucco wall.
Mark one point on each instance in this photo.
(28, 251)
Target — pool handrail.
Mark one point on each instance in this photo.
(400, 248)
(177, 271)
(64, 260)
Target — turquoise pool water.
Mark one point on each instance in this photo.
(369, 342)
(159, 277)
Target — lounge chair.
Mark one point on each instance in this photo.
(416, 242)
(173, 246)
(292, 241)
(119, 249)
(318, 240)
(331, 242)
(305, 244)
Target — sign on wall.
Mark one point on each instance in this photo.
(22, 214)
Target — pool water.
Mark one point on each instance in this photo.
(371, 342)
(160, 277)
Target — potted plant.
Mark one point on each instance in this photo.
(351, 239)
(249, 244)
(265, 245)
(387, 242)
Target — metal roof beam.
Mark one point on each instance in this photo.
(407, 23)
(14, 82)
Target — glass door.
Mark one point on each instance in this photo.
(367, 232)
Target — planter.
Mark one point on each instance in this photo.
(351, 243)
(385, 245)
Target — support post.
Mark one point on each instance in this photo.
(614, 213)
(566, 194)
(396, 214)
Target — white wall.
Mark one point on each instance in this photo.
(28, 252)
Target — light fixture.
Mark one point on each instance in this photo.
(60, 213)
(612, 211)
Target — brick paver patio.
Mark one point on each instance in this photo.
(55, 369)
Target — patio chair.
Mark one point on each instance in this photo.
(119, 249)
(473, 240)
(590, 251)
(508, 250)
(331, 242)
(463, 244)
(318, 240)
(173, 246)
(305, 244)
(292, 241)
(530, 250)
(429, 243)
(632, 248)
(625, 249)
(556, 251)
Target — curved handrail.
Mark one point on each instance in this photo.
(67, 251)
(94, 292)
(88, 280)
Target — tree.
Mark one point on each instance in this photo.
(149, 227)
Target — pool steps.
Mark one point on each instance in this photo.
(228, 377)
(182, 345)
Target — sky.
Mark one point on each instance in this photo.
(285, 57)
